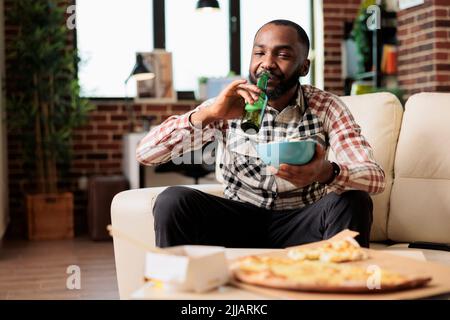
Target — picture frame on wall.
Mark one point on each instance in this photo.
(160, 88)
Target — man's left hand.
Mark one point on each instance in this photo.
(317, 170)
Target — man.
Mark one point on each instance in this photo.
(264, 207)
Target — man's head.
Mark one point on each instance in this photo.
(280, 47)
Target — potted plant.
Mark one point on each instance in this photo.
(363, 37)
(44, 107)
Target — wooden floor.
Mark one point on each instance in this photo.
(37, 269)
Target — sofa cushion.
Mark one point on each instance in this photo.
(379, 116)
(420, 198)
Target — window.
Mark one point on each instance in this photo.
(199, 42)
(266, 10)
(109, 33)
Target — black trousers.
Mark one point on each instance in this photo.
(188, 216)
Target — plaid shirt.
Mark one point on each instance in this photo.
(323, 118)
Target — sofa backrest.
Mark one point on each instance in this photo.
(420, 198)
(379, 115)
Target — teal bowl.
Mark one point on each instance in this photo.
(289, 152)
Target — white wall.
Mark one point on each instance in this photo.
(4, 216)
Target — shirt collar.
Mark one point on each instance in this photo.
(300, 100)
(296, 103)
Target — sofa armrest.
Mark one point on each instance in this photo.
(132, 216)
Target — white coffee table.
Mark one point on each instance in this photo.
(150, 292)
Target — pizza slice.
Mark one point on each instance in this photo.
(344, 250)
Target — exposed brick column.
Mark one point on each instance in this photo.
(336, 14)
(424, 47)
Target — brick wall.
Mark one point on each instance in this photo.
(424, 47)
(97, 150)
(336, 13)
(98, 144)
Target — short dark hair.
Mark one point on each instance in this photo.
(302, 36)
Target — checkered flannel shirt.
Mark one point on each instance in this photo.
(324, 118)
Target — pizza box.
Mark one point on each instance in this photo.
(188, 268)
(439, 284)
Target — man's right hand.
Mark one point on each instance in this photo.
(229, 104)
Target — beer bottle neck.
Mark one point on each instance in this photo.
(262, 81)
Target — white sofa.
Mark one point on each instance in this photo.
(413, 148)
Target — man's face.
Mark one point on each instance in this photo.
(277, 49)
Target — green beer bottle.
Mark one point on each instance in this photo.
(254, 113)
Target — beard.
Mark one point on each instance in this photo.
(283, 86)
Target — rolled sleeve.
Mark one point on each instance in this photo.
(175, 136)
(358, 168)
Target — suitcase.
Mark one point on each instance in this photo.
(101, 191)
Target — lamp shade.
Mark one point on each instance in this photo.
(207, 4)
(140, 70)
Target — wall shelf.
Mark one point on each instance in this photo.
(387, 35)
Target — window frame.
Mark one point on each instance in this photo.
(159, 31)
(234, 16)
(159, 34)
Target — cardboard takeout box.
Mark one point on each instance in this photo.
(188, 268)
